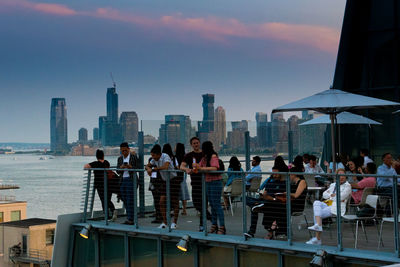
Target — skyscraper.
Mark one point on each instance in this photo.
(102, 129)
(83, 135)
(58, 126)
(129, 124)
(208, 113)
(176, 129)
(220, 125)
(96, 135)
(235, 139)
(112, 105)
(262, 121)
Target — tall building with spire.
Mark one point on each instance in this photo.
(58, 126)
(208, 113)
(112, 105)
(220, 125)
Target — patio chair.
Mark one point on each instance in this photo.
(367, 191)
(254, 186)
(372, 200)
(385, 219)
(235, 192)
(299, 214)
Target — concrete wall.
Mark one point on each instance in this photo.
(7, 207)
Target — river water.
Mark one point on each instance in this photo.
(54, 186)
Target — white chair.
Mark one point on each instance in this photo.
(372, 200)
(235, 192)
(386, 219)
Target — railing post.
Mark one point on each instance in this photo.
(395, 217)
(141, 174)
(247, 148)
(288, 210)
(204, 203)
(244, 211)
(105, 201)
(134, 193)
(91, 206)
(86, 196)
(168, 212)
(338, 214)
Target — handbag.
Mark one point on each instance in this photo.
(328, 202)
(111, 174)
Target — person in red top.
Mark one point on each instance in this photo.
(208, 163)
(364, 183)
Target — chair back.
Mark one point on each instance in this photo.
(372, 200)
(366, 192)
(236, 187)
(255, 184)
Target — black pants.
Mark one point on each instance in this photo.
(100, 192)
(197, 193)
(156, 192)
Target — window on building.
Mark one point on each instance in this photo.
(49, 236)
(1, 217)
(15, 215)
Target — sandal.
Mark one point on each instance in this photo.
(270, 235)
(213, 229)
(272, 230)
(221, 230)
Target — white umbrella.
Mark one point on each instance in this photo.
(332, 102)
(342, 118)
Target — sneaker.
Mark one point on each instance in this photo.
(248, 235)
(257, 208)
(315, 227)
(162, 226)
(314, 241)
(201, 229)
(173, 226)
(115, 216)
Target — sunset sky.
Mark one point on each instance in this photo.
(253, 55)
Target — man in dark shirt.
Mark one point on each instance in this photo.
(187, 165)
(275, 184)
(99, 181)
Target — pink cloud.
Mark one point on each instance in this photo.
(216, 29)
(54, 9)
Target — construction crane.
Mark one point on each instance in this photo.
(112, 78)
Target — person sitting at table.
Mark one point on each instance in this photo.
(364, 183)
(275, 184)
(327, 208)
(313, 168)
(234, 165)
(275, 217)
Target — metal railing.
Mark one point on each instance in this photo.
(89, 195)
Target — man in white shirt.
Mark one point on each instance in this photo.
(312, 166)
(364, 153)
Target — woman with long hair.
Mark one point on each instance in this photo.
(234, 165)
(209, 163)
(184, 192)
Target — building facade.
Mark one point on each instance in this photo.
(220, 126)
(129, 123)
(83, 135)
(58, 126)
(262, 122)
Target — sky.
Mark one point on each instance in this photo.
(253, 55)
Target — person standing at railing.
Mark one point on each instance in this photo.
(385, 184)
(174, 184)
(184, 192)
(161, 162)
(191, 158)
(210, 162)
(127, 160)
(256, 168)
(99, 181)
(327, 208)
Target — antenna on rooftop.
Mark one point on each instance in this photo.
(112, 78)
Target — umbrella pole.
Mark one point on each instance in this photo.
(332, 117)
(340, 138)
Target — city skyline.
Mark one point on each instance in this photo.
(163, 57)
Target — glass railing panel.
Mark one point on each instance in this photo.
(112, 252)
